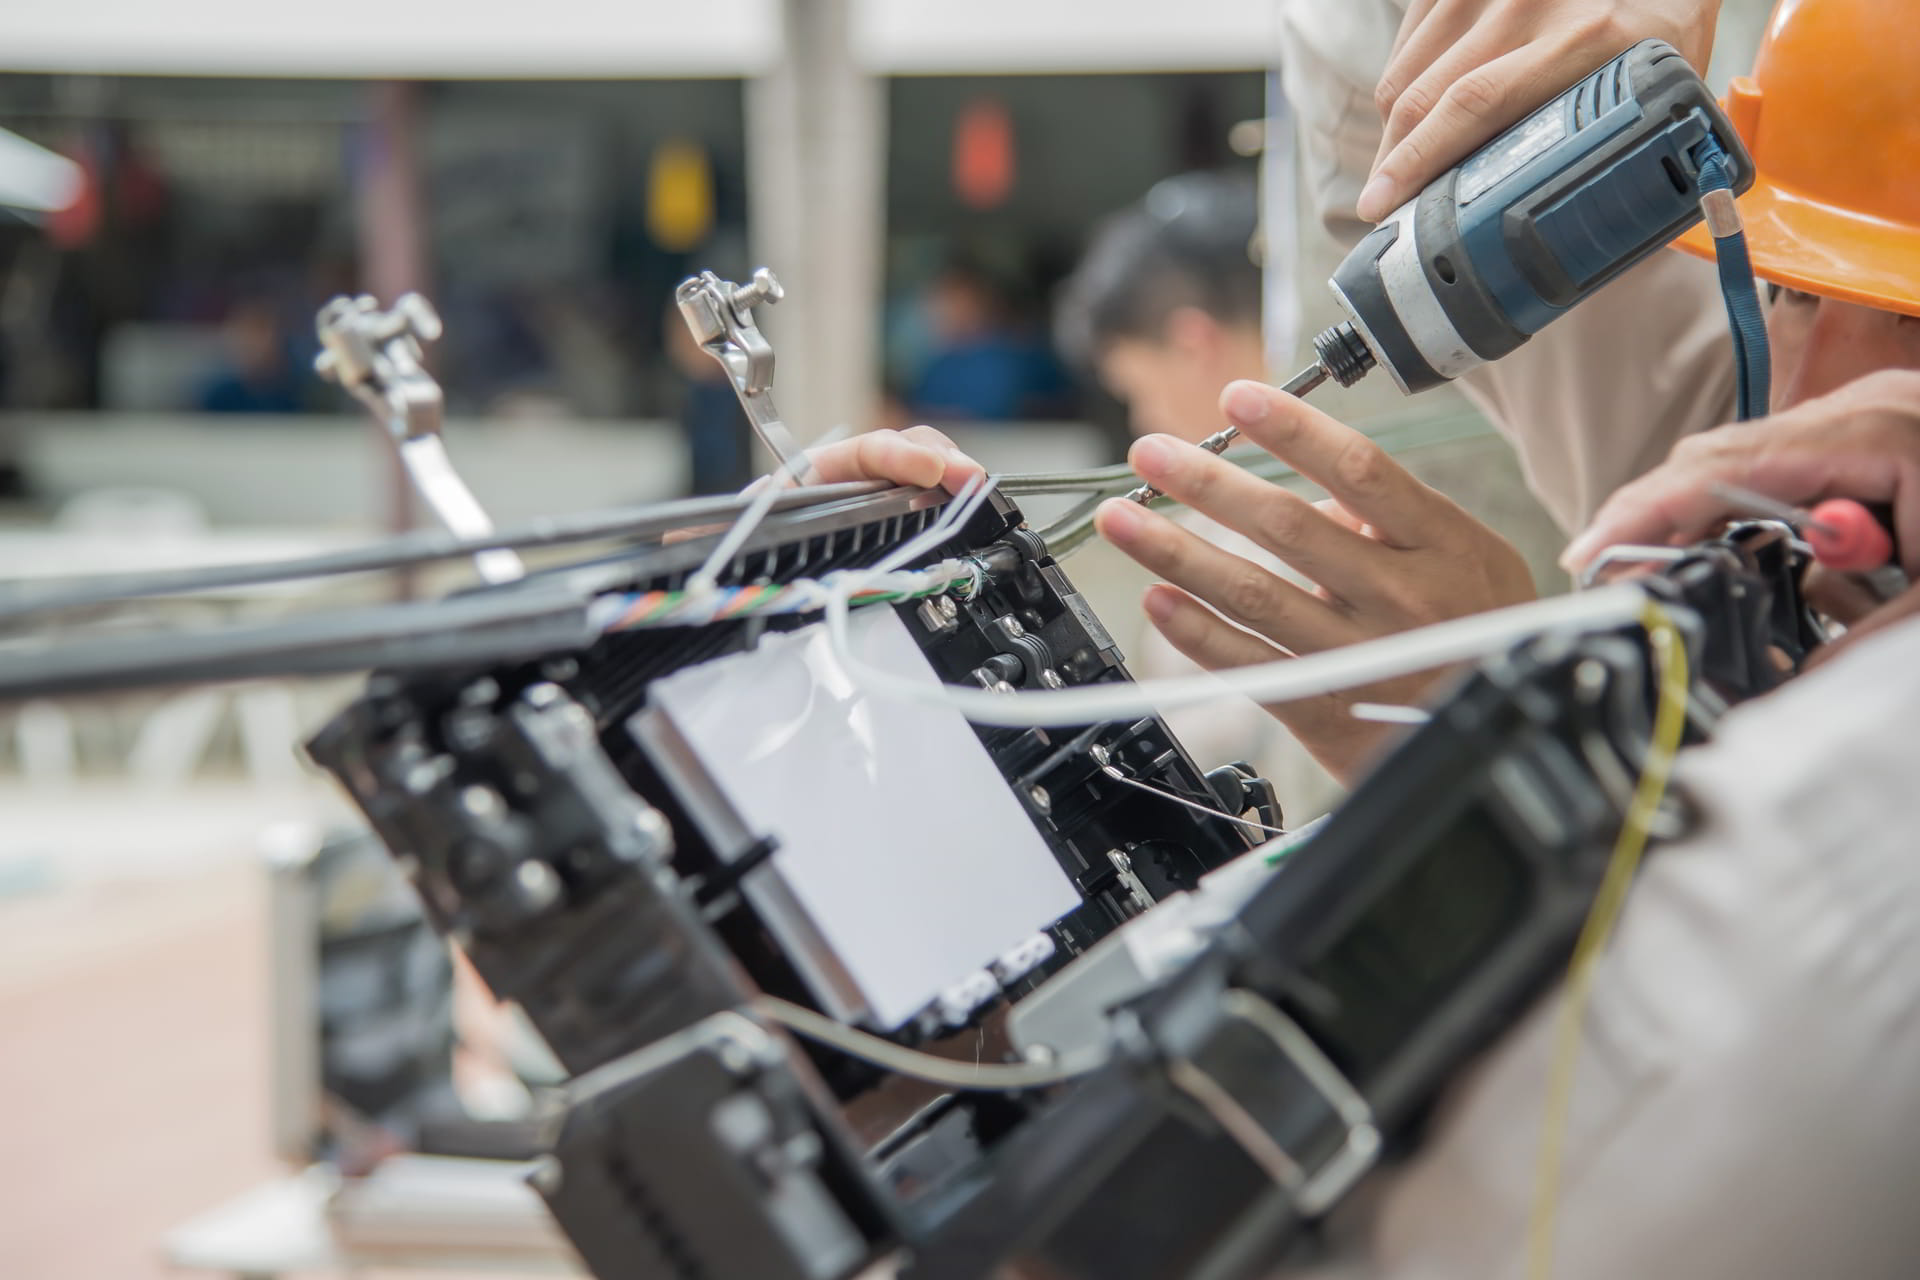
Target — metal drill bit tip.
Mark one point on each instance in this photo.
(1298, 385)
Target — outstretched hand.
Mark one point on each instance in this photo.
(1861, 441)
(1384, 553)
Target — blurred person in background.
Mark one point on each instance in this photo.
(1164, 308)
(259, 373)
(984, 366)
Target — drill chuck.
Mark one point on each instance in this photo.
(1342, 354)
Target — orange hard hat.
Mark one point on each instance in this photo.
(1832, 117)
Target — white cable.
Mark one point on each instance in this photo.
(994, 1076)
(1150, 789)
(1287, 680)
(956, 513)
(1388, 713)
(802, 595)
(707, 576)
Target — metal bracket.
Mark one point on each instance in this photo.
(1629, 553)
(376, 356)
(1314, 1191)
(719, 313)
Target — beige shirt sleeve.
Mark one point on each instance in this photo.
(1745, 1101)
(1599, 396)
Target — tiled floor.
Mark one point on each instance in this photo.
(133, 1056)
(133, 1024)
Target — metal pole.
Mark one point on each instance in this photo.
(393, 255)
(816, 132)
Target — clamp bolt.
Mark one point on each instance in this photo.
(762, 288)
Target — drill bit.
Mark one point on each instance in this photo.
(1298, 385)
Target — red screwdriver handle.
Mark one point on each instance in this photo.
(1845, 536)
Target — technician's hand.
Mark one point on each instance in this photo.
(1463, 70)
(1862, 442)
(1386, 552)
(918, 456)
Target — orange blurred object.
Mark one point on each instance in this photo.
(1832, 117)
(983, 154)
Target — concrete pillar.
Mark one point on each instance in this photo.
(816, 133)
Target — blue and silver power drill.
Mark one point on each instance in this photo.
(1528, 226)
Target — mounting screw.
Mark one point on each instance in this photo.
(537, 886)
(735, 1058)
(654, 826)
(545, 1175)
(1041, 800)
(1011, 625)
(482, 802)
(938, 615)
(421, 318)
(1051, 678)
(1101, 756)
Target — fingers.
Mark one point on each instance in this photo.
(919, 456)
(961, 470)
(1355, 472)
(1425, 37)
(1203, 635)
(1322, 724)
(1416, 18)
(1653, 510)
(1331, 553)
(1677, 500)
(1243, 592)
(889, 455)
(1462, 70)
(1860, 442)
(1466, 97)
(1841, 596)
(1333, 511)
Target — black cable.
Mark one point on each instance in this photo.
(24, 599)
(543, 613)
(491, 626)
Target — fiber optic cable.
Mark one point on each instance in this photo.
(1669, 722)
